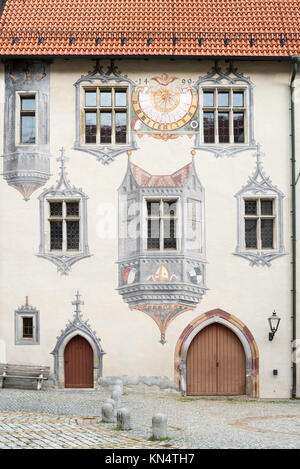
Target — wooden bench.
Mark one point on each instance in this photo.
(38, 373)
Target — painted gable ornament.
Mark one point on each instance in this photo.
(161, 283)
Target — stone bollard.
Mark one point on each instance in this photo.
(159, 427)
(124, 418)
(108, 413)
(113, 403)
(119, 382)
(118, 388)
(115, 395)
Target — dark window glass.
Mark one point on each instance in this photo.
(267, 233)
(153, 234)
(250, 207)
(209, 127)
(238, 99)
(72, 209)
(170, 208)
(208, 99)
(91, 98)
(224, 127)
(120, 98)
(56, 235)
(266, 207)
(27, 128)
(90, 127)
(28, 327)
(105, 127)
(153, 208)
(121, 127)
(169, 234)
(251, 233)
(223, 99)
(72, 234)
(105, 98)
(56, 209)
(238, 127)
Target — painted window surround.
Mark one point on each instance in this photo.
(259, 185)
(234, 80)
(27, 311)
(63, 191)
(105, 153)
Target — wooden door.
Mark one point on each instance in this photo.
(216, 363)
(79, 361)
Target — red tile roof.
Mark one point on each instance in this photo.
(175, 27)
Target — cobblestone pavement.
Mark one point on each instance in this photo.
(32, 419)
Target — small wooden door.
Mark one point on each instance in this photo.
(79, 360)
(216, 363)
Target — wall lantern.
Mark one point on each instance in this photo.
(274, 321)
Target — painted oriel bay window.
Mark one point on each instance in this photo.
(161, 242)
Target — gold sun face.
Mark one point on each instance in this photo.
(165, 106)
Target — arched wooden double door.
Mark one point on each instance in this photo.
(216, 363)
(79, 363)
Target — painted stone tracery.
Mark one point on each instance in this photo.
(104, 153)
(77, 327)
(61, 191)
(162, 283)
(260, 184)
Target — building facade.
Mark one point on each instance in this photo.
(146, 213)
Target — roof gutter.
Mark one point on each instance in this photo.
(295, 62)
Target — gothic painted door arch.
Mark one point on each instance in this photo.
(216, 363)
(78, 363)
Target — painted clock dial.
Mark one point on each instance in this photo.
(165, 106)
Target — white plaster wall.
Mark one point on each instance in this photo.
(130, 338)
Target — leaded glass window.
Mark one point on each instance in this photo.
(162, 219)
(224, 112)
(105, 115)
(259, 223)
(64, 221)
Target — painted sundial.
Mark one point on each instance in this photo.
(164, 106)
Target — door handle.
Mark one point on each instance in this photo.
(217, 364)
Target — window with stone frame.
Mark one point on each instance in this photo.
(64, 225)
(224, 115)
(105, 115)
(162, 219)
(260, 223)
